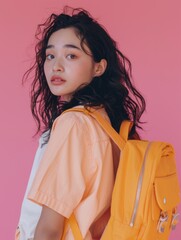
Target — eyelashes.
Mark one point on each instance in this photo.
(69, 56)
(49, 56)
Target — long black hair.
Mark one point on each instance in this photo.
(113, 90)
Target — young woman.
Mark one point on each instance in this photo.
(77, 64)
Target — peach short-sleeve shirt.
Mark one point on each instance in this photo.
(76, 172)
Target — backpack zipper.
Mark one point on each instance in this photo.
(138, 192)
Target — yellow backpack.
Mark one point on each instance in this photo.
(146, 191)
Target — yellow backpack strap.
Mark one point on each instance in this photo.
(120, 142)
(74, 227)
(125, 129)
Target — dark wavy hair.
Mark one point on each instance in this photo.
(113, 90)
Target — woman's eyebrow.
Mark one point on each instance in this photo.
(72, 46)
(65, 46)
(49, 46)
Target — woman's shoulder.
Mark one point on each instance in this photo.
(79, 117)
(70, 118)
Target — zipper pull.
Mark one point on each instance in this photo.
(162, 222)
(175, 220)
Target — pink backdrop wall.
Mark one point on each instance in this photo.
(148, 32)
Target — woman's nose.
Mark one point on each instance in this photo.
(58, 66)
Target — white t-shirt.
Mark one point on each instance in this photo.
(30, 212)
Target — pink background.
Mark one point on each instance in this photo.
(148, 32)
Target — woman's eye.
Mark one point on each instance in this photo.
(49, 56)
(71, 56)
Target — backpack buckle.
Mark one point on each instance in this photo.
(175, 220)
(162, 222)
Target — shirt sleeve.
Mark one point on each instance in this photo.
(60, 181)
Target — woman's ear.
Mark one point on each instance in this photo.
(100, 68)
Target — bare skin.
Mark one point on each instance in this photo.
(50, 225)
(98, 226)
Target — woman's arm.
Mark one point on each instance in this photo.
(98, 227)
(50, 225)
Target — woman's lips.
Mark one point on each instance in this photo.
(55, 80)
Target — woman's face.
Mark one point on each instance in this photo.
(67, 66)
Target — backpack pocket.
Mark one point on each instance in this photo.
(165, 202)
(116, 230)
